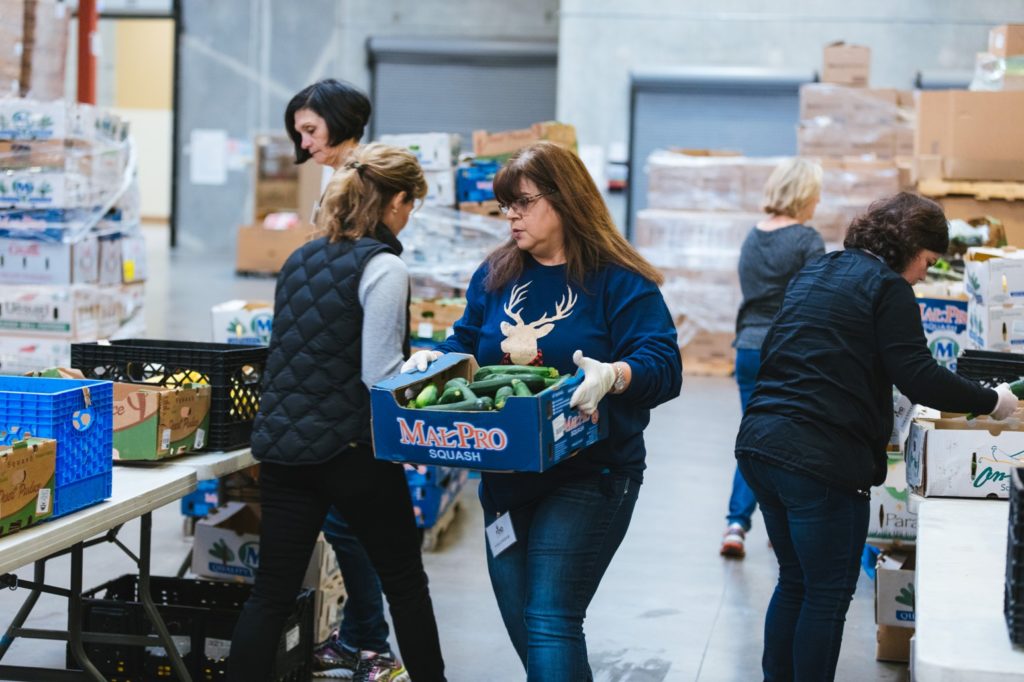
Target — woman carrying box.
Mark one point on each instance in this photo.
(340, 325)
(566, 291)
(813, 437)
(325, 122)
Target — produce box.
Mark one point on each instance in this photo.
(528, 434)
(243, 322)
(27, 474)
(30, 261)
(994, 276)
(433, 318)
(894, 589)
(153, 422)
(892, 519)
(954, 457)
(995, 327)
(945, 327)
(440, 188)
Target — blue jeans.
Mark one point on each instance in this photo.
(545, 581)
(818, 532)
(362, 616)
(742, 502)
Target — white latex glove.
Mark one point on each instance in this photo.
(420, 360)
(1007, 403)
(598, 378)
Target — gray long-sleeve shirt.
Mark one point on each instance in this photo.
(384, 295)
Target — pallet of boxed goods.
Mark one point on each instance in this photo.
(981, 190)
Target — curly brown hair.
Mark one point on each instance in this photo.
(897, 228)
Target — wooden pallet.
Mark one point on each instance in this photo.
(432, 535)
(1007, 191)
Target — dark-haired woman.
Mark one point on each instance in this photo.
(340, 325)
(813, 436)
(566, 291)
(325, 121)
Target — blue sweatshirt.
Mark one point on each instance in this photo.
(541, 319)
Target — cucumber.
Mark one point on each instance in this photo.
(427, 396)
(520, 389)
(488, 371)
(474, 405)
(451, 395)
(503, 393)
(490, 385)
(456, 382)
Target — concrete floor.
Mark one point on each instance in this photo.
(669, 607)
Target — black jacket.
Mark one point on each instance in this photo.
(314, 403)
(849, 329)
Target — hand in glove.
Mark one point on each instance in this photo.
(598, 379)
(1007, 403)
(420, 360)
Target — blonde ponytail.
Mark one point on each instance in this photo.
(359, 192)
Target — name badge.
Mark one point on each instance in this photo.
(500, 534)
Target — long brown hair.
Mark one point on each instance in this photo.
(591, 240)
(358, 192)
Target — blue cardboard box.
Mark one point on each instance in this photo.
(529, 434)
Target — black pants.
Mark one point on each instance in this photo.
(374, 498)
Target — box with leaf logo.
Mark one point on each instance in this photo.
(243, 322)
(528, 433)
(894, 589)
(27, 475)
(892, 519)
(154, 422)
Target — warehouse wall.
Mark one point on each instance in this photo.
(600, 41)
(241, 61)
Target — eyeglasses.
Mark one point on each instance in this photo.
(522, 204)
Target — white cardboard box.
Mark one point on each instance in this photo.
(894, 589)
(28, 261)
(994, 276)
(945, 327)
(995, 327)
(227, 547)
(80, 312)
(954, 457)
(33, 189)
(242, 322)
(434, 151)
(22, 354)
(892, 520)
(440, 187)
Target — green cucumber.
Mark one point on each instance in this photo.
(503, 393)
(427, 396)
(451, 395)
(488, 371)
(474, 405)
(456, 382)
(490, 385)
(520, 389)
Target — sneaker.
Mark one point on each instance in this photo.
(331, 659)
(375, 667)
(732, 543)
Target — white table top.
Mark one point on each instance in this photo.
(135, 491)
(214, 464)
(961, 571)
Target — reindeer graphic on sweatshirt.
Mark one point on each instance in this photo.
(520, 344)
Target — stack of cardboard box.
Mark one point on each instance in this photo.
(969, 147)
(34, 39)
(279, 187)
(994, 280)
(70, 272)
(1002, 66)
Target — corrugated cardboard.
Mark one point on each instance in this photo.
(484, 208)
(504, 144)
(27, 475)
(846, 64)
(893, 644)
(945, 327)
(242, 322)
(955, 457)
(433, 319)
(153, 422)
(894, 589)
(281, 186)
(27, 261)
(1006, 40)
(891, 521)
(434, 151)
(995, 327)
(977, 134)
(440, 188)
(1009, 213)
(265, 251)
(994, 276)
(858, 106)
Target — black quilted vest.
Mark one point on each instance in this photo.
(314, 403)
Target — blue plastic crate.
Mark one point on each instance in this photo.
(430, 501)
(425, 474)
(81, 425)
(203, 500)
(476, 182)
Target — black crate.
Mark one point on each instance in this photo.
(234, 372)
(990, 367)
(200, 614)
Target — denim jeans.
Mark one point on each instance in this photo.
(363, 627)
(373, 497)
(818, 532)
(741, 501)
(545, 581)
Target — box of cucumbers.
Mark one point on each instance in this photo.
(492, 418)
